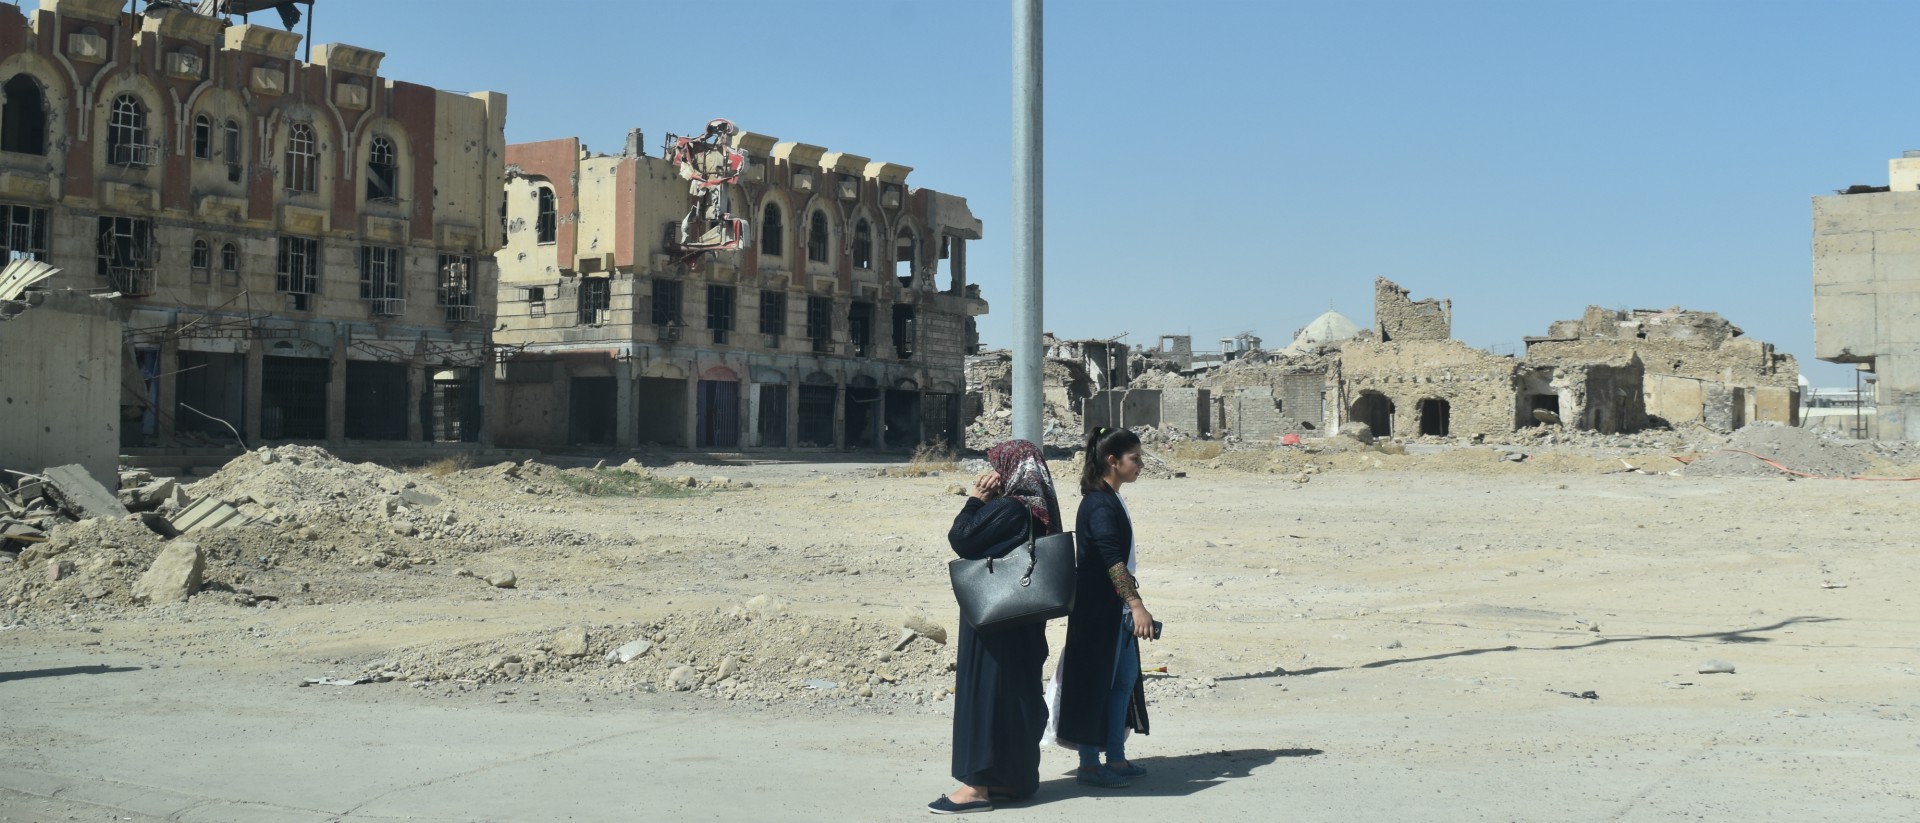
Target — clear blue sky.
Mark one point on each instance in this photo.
(1216, 167)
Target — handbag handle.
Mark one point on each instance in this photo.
(1033, 554)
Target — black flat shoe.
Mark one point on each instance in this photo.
(946, 806)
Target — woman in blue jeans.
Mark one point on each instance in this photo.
(1100, 694)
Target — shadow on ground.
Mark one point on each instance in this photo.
(1173, 776)
(64, 671)
(1731, 636)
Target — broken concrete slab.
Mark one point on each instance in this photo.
(570, 642)
(207, 514)
(79, 494)
(174, 575)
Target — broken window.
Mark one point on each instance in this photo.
(863, 244)
(303, 159)
(383, 171)
(772, 234)
(666, 302)
(456, 287)
(202, 138)
(299, 271)
(817, 237)
(720, 312)
(546, 221)
(24, 235)
(230, 264)
(23, 122)
(233, 154)
(820, 323)
(127, 133)
(126, 254)
(596, 297)
(773, 317)
(903, 249)
(537, 301)
(904, 326)
(382, 281)
(202, 262)
(1435, 417)
(860, 328)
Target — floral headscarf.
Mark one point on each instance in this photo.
(1024, 477)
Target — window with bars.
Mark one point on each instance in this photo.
(820, 322)
(382, 279)
(303, 159)
(720, 312)
(666, 302)
(383, 171)
(299, 273)
(773, 316)
(456, 287)
(127, 133)
(596, 297)
(25, 233)
(126, 254)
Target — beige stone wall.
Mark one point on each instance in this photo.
(1481, 389)
(1399, 317)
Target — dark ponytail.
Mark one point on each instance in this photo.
(1104, 442)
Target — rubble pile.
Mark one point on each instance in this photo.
(759, 650)
(1800, 450)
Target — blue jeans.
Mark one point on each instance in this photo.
(1126, 670)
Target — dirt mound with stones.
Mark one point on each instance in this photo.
(758, 651)
(1796, 449)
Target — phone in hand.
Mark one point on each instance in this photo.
(1156, 629)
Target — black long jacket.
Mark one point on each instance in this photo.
(999, 710)
(1104, 536)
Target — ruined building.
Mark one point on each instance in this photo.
(1696, 368)
(299, 250)
(842, 322)
(1866, 290)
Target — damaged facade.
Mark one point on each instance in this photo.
(841, 322)
(300, 251)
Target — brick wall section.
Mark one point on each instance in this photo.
(1399, 317)
(1186, 410)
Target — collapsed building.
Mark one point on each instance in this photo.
(821, 304)
(297, 250)
(1609, 372)
(1866, 291)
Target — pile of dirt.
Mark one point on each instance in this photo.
(760, 651)
(91, 564)
(1797, 449)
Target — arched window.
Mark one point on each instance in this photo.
(127, 133)
(817, 237)
(862, 244)
(235, 158)
(303, 159)
(773, 234)
(546, 223)
(202, 138)
(23, 123)
(383, 170)
(230, 263)
(202, 255)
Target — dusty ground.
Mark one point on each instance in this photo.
(1350, 635)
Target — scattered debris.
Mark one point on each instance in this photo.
(1715, 667)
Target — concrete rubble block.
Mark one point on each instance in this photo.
(29, 491)
(503, 580)
(133, 478)
(207, 513)
(418, 498)
(629, 652)
(916, 621)
(174, 575)
(764, 607)
(682, 679)
(1357, 431)
(76, 492)
(570, 642)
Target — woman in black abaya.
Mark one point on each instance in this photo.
(999, 712)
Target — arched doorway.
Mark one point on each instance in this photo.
(1436, 417)
(1375, 410)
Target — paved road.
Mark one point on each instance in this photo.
(132, 736)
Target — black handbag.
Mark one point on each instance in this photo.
(1033, 583)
